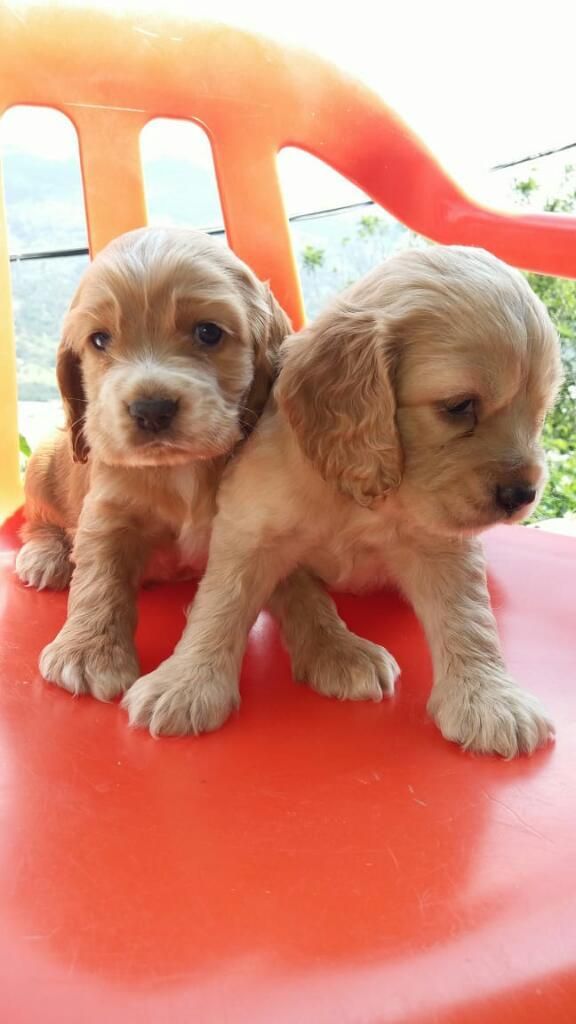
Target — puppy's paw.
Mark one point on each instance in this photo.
(101, 665)
(490, 715)
(183, 696)
(45, 563)
(348, 668)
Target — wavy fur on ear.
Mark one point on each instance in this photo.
(270, 326)
(69, 375)
(335, 388)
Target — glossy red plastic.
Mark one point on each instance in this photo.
(312, 862)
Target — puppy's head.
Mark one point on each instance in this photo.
(431, 378)
(168, 351)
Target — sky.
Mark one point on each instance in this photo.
(480, 82)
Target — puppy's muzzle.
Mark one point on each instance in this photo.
(153, 415)
(511, 498)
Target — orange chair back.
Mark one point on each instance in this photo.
(111, 75)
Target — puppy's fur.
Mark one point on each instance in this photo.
(115, 488)
(403, 420)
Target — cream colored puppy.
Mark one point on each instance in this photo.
(167, 356)
(406, 420)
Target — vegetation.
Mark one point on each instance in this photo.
(559, 296)
(559, 499)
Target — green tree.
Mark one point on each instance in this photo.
(559, 296)
(312, 258)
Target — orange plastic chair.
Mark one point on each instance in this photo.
(311, 862)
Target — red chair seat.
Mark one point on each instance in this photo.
(311, 862)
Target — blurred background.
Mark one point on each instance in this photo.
(487, 86)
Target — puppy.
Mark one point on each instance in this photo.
(406, 420)
(166, 360)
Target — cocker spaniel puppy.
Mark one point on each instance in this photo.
(167, 356)
(406, 420)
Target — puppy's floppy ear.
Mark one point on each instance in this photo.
(336, 389)
(270, 326)
(69, 375)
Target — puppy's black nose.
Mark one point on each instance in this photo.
(153, 414)
(514, 497)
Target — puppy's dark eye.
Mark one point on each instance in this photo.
(463, 408)
(208, 334)
(100, 340)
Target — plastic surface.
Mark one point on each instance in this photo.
(312, 862)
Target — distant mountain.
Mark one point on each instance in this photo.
(46, 209)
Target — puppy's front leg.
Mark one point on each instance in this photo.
(323, 651)
(94, 651)
(196, 689)
(474, 700)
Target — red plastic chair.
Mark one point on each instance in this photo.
(312, 861)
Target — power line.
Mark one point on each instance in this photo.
(318, 214)
(51, 254)
(295, 219)
(536, 156)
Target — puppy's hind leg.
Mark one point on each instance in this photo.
(44, 560)
(323, 651)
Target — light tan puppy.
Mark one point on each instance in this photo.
(167, 356)
(406, 420)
